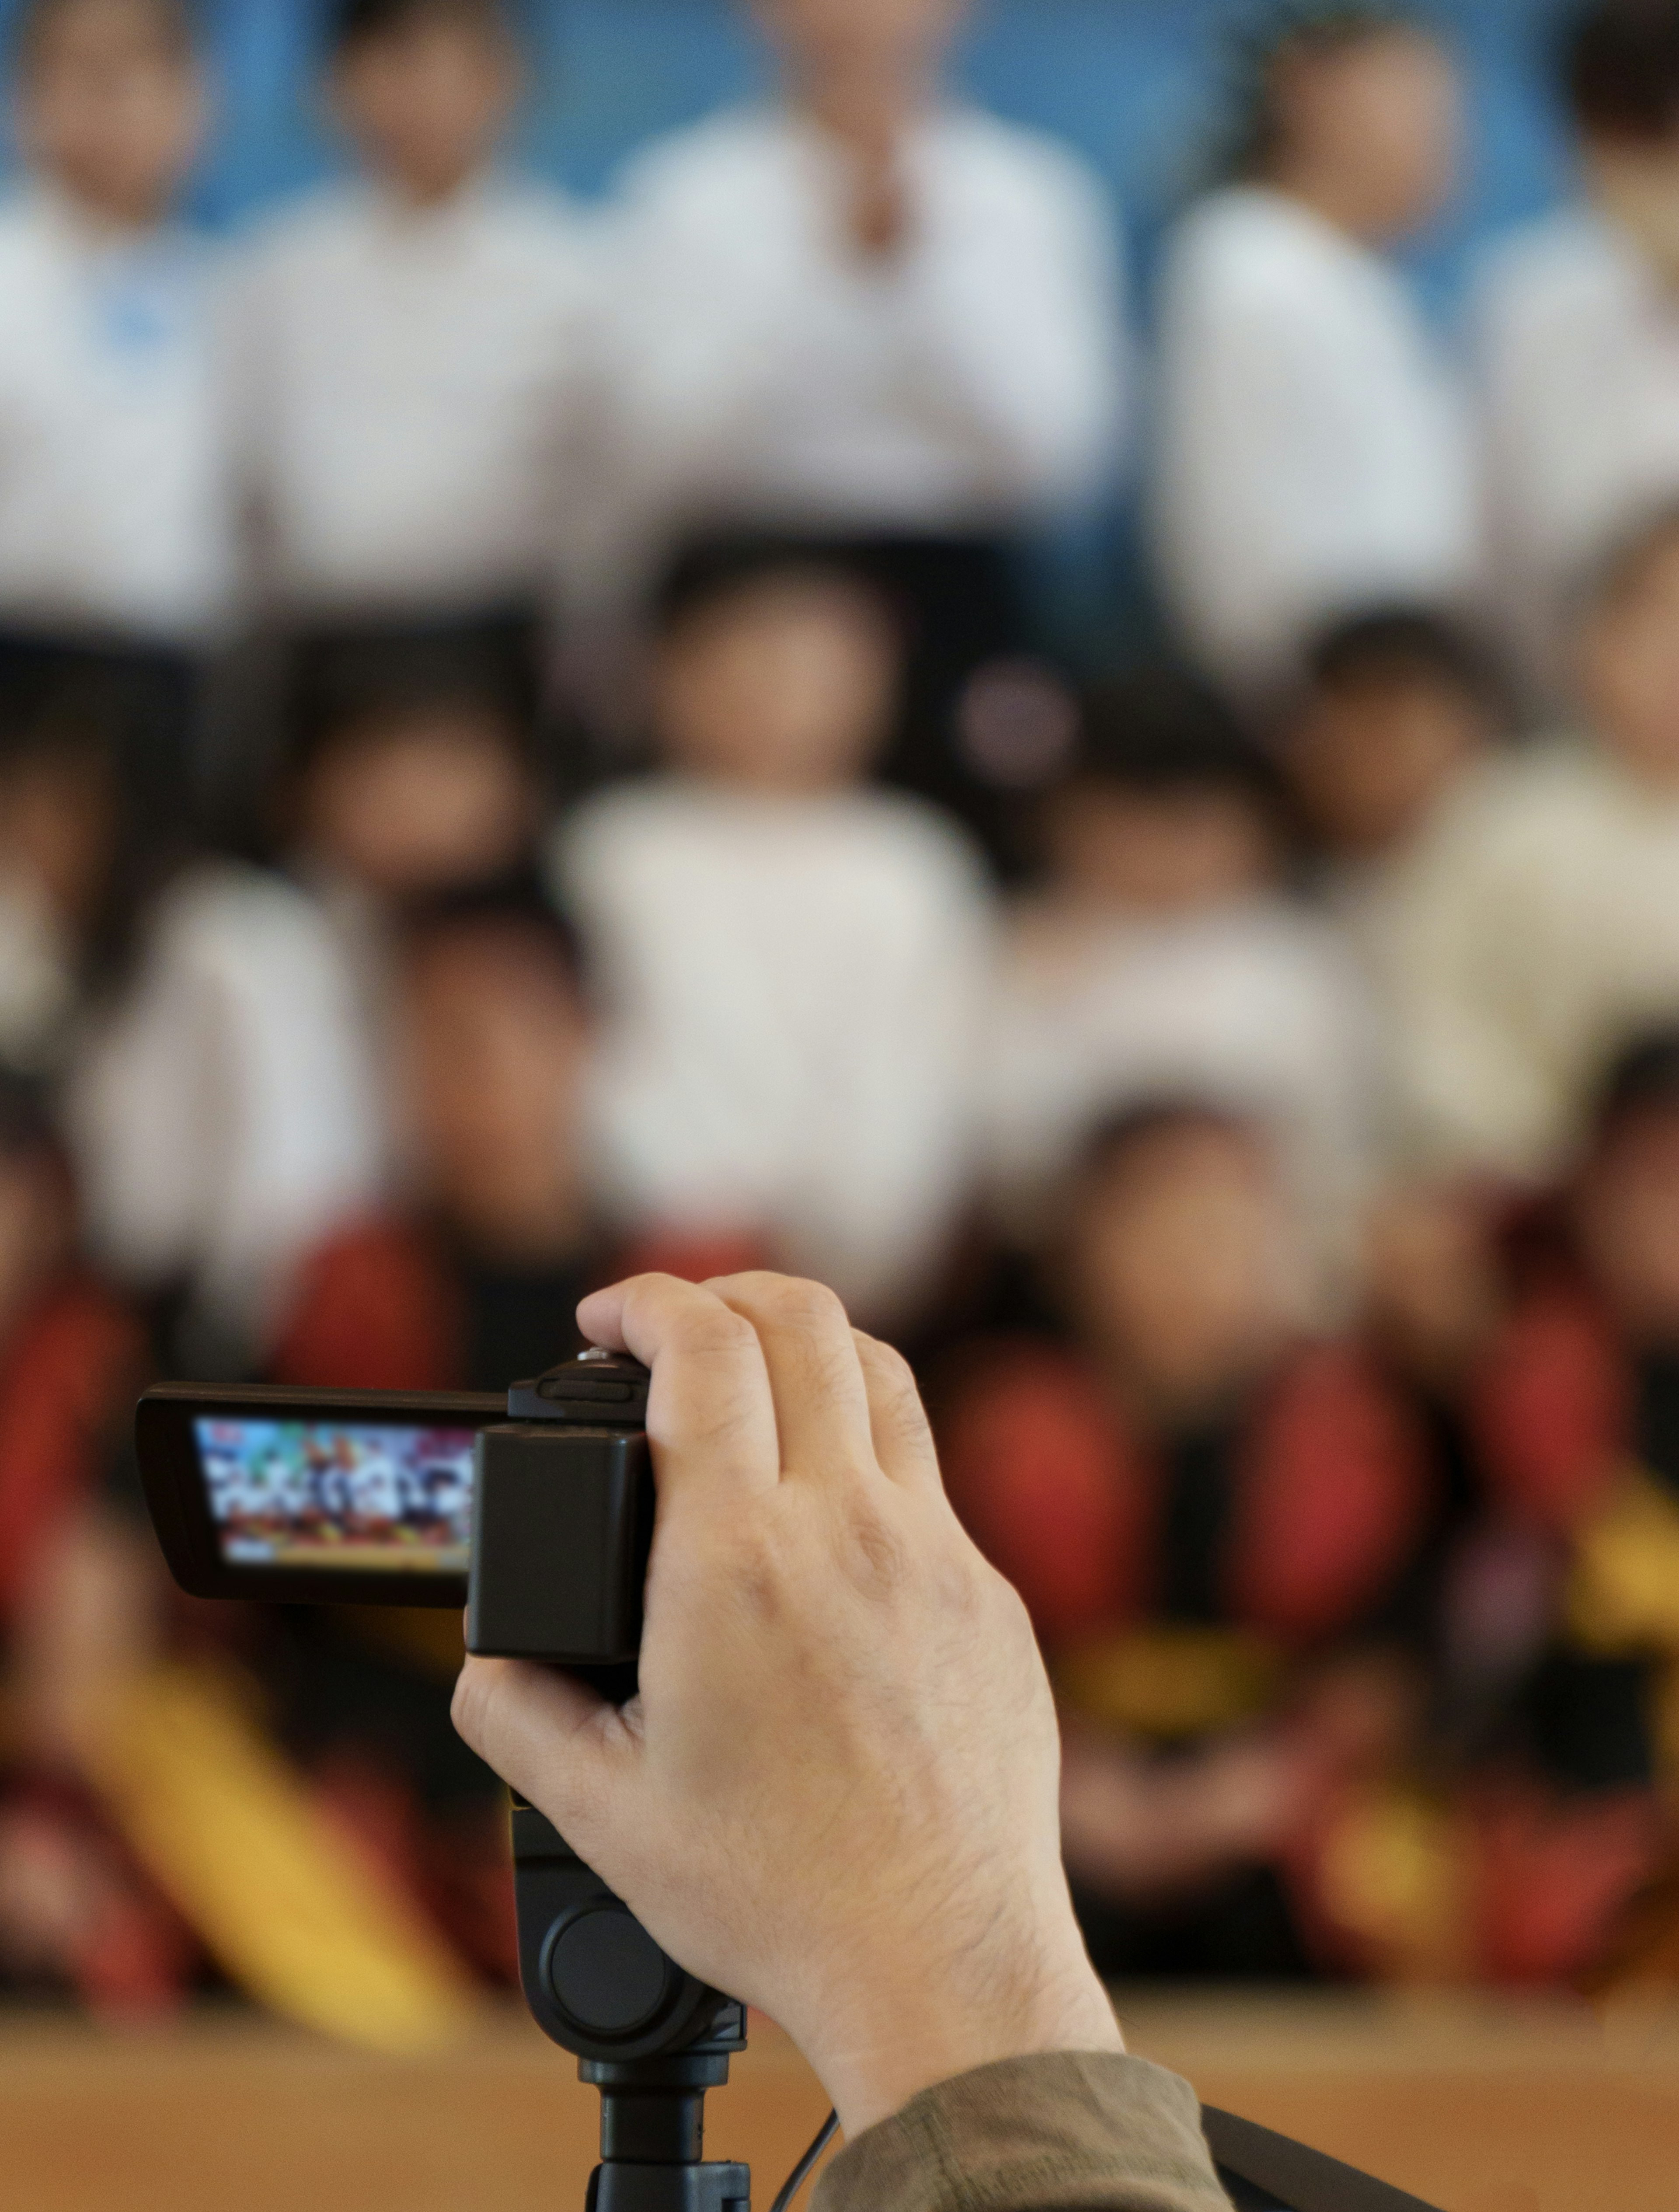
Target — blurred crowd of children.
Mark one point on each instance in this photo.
(524, 754)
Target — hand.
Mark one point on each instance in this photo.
(835, 1795)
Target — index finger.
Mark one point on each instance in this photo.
(710, 1417)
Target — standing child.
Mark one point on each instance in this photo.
(406, 343)
(1314, 456)
(791, 966)
(1539, 925)
(1580, 331)
(1163, 954)
(114, 533)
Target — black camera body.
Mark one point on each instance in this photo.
(563, 1507)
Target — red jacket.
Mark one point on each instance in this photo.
(1332, 1492)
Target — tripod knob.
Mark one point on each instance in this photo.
(604, 1971)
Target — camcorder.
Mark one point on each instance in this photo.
(536, 1513)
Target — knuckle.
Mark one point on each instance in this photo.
(809, 1306)
(874, 1555)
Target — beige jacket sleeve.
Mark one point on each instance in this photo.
(1065, 2132)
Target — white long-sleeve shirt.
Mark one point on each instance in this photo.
(793, 992)
(1538, 929)
(113, 508)
(758, 366)
(227, 1113)
(1313, 452)
(405, 389)
(1579, 373)
(1256, 1006)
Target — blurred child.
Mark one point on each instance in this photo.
(1202, 1508)
(477, 1280)
(1540, 924)
(1314, 459)
(114, 535)
(73, 1911)
(871, 313)
(790, 966)
(407, 344)
(236, 1100)
(1398, 712)
(1162, 954)
(1580, 330)
(1578, 1411)
(61, 870)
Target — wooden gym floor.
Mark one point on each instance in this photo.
(1476, 2105)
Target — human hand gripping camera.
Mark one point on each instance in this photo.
(832, 1793)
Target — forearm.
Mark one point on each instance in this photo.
(1061, 2132)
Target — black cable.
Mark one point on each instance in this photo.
(801, 2173)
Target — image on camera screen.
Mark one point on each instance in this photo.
(329, 1494)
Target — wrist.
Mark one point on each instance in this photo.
(913, 2036)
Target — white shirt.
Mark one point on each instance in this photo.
(793, 989)
(404, 387)
(758, 366)
(226, 1114)
(1313, 454)
(1540, 931)
(1256, 1006)
(1579, 367)
(114, 514)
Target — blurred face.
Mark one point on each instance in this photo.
(1372, 762)
(34, 1231)
(1630, 670)
(1431, 1277)
(1637, 187)
(418, 802)
(828, 38)
(1627, 1214)
(498, 1045)
(110, 107)
(1185, 1268)
(1372, 129)
(58, 832)
(1166, 852)
(783, 686)
(427, 102)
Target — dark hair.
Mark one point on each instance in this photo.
(1281, 32)
(1643, 1078)
(515, 905)
(31, 25)
(1114, 1136)
(1619, 65)
(358, 23)
(710, 570)
(1165, 733)
(341, 679)
(1401, 645)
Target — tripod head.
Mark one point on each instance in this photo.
(651, 2038)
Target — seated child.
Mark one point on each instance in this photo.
(1539, 923)
(1398, 712)
(1162, 954)
(475, 1281)
(235, 1103)
(1202, 1508)
(75, 1912)
(61, 867)
(791, 965)
(1578, 1416)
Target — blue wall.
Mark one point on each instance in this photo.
(1133, 83)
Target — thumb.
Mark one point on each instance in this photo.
(564, 1748)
